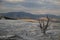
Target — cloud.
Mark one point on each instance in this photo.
(12, 9)
(34, 1)
(13, 1)
(33, 6)
(56, 12)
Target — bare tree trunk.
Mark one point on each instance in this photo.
(43, 31)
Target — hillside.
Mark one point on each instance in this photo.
(27, 15)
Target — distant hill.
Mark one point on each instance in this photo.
(27, 15)
(18, 15)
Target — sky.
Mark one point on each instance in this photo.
(31, 6)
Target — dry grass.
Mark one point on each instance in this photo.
(29, 20)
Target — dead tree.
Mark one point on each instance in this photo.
(44, 24)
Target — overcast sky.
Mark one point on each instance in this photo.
(32, 6)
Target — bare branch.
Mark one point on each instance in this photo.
(47, 23)
(40, 25)
(43, 24)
